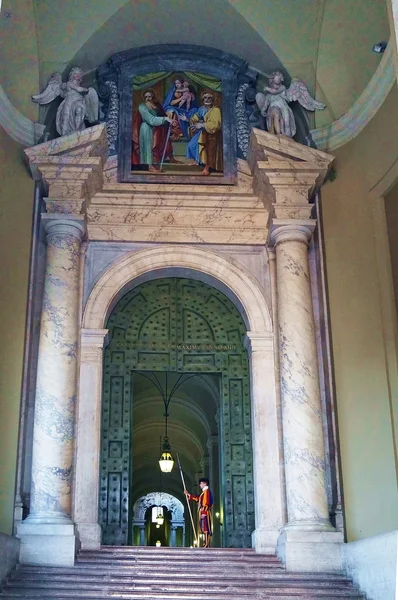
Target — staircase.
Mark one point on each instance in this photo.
(146, 573)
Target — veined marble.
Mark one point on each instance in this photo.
(53, 432)
(177, 213)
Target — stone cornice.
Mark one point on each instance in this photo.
(71, 168)
(340, 132)
(286, 174)
(19, 128)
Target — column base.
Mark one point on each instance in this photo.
(264, 540)
(89, 535)
(47, 544)
(310, 550)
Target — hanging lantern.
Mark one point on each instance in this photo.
(166, 461)
(160, 519)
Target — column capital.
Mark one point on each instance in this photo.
(60, 225)
(94, 338)
(291, 230)
(257, 342)
(92, 343)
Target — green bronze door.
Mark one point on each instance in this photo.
(184, 326)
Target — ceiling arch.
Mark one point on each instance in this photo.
(328, 44)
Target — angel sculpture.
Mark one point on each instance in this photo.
(79, 103)
(274, 105)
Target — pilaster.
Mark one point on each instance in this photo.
(265, 432)
(88, 418)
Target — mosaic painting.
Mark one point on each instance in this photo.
(177, 124)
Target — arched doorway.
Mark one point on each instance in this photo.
(176, 326)
(172, 531)
(246, 293)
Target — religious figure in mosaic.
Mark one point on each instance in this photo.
(79, 104)
(180, 101)
(274, 103)
(205, 145)
(177, 129)
(151, 134)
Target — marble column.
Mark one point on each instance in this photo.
(309, 541)
(268, 487)
(47, 535)
(88, 419)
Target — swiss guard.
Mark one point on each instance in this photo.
(205, 505)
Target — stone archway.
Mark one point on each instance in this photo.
(173, 505)
(231, 279)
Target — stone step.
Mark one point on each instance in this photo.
(225, 552)
(200, 553)
(171, 585)
(196, 555)
(64, 574)
(64, 595)
(173, 564)
(174, 574)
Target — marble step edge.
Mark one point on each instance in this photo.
(148, 567)
(178, 550)
(191, 567)
(173, 585)
(253, 560)
(61, 595)
(199, 554)
(182, 577)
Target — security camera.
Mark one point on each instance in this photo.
(380, 47)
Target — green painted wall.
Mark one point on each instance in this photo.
(16, 202)
(366, 396)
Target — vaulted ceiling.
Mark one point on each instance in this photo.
(328, 43)
(192, 421)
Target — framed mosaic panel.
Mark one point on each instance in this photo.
(177, 125)
(177, 114)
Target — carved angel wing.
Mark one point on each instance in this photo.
(262, 103)
(52, 90)
(298, 91)
(92, 105)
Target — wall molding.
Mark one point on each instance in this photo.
(19, 128)
(340, 132)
